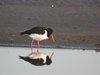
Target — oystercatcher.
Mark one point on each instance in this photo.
(38, 34)
(37, 58)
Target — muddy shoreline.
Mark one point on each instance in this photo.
(75, 25)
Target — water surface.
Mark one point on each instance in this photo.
(65, 61)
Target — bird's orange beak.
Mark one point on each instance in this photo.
(52, 37)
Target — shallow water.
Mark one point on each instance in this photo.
(65, 61)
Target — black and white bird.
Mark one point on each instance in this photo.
(37, 58)
(38, 34)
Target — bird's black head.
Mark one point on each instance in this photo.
(49, 32)
(48, 60)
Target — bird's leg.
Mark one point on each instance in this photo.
(32, 45)
(38, 46)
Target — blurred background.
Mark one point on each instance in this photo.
(76, 23)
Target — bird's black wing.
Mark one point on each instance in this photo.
(36, 62)
(37, 30)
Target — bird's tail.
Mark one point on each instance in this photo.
(24, 58)
(22, 33)
(21, 57)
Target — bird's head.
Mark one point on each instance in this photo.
(50, 34)
(48, 60)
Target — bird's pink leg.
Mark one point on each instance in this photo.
(38, 46)
(32, 45)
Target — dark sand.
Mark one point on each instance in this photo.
(76, 24)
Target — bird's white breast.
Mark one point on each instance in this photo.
(38, 55)
(39, 37)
